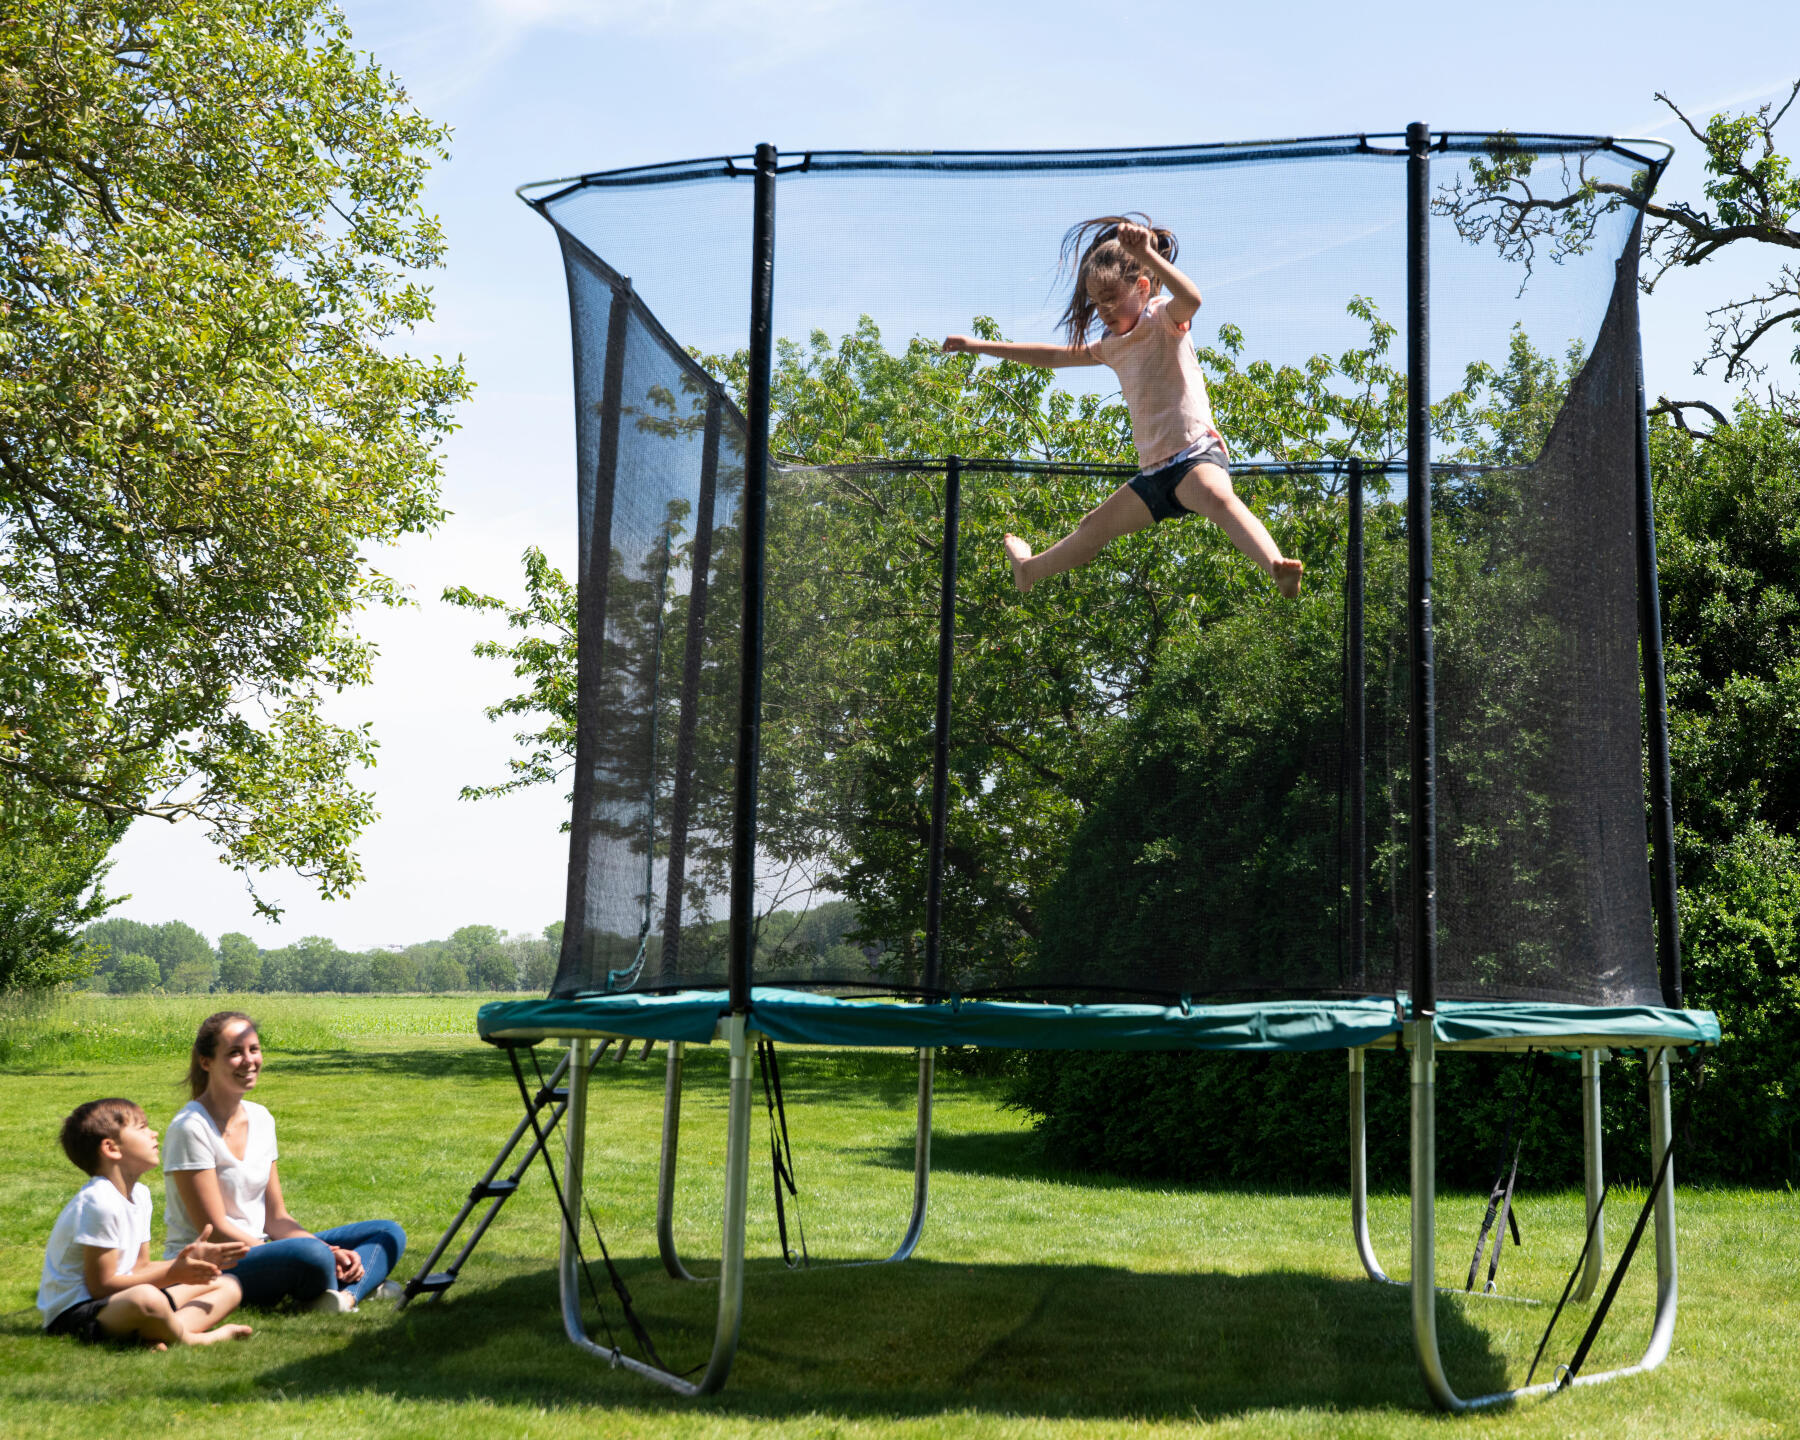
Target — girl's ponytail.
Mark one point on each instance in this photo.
(1092, 253)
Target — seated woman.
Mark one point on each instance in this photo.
(219, 1169)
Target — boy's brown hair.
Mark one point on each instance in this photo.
(93, 1122)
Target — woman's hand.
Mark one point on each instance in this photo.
(953, 344)
(349, 1265)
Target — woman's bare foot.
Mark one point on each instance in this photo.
(220, 1332)
(1018, 552)
(1286, 575)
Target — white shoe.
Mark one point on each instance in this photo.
(389, 1290)
(335, 1302)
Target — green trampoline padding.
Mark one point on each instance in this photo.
(796, 1017)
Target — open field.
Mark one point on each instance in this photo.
(1040, 1303)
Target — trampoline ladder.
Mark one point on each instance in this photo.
(495, 1191)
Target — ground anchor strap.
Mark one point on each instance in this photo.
(573, 1231)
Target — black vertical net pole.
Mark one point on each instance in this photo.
(1656, 716)
(1356, 736)
(590, 635)
(755, 526)
(1423, 699)
(692, 655)
(940, 762)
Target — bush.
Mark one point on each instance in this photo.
(1281, 1120)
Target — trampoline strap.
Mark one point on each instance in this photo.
(1574, 1274)
(573, 1230)
(1679, 1129)
(1500, 1196)
(781, 1154)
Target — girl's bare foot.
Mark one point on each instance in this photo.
(1018, 552)
(1286, 574)
(221, 1332)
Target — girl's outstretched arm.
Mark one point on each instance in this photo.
(1184, 294)
(1045, 357)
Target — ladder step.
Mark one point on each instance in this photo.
(493, 1190)
(431, 1284)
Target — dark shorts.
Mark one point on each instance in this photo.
(82, 1320)
(1156, 488)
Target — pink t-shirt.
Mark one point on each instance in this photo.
(1161, 381)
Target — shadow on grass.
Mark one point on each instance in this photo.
(925, 1338)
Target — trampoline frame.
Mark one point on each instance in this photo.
(1419, 1036)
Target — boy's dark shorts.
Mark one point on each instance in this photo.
(1156, 488)
(82, 1320)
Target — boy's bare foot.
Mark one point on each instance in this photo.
(218, 1333)
(1018, 552)
(1286, 574)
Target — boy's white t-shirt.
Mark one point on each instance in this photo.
(99, 1216)
(193, 1142)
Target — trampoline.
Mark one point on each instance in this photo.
(1409, 810)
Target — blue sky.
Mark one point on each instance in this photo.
(541, 88)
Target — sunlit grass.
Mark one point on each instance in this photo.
(1040, 1302)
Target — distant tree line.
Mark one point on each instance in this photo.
(130, 957)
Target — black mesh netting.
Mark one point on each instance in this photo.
(1150, 775)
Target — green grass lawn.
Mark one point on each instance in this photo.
(1039, 1303)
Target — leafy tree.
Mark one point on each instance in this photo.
(393, 970)
(205, 419)
(50, 873)
(174, 945)
(240, 962)
(134, 975)
(1751, 199)
(279, 970)
(191, 977)
(119, 936)
(477, 949)
(442, 972)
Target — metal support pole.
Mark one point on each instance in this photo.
(665, 1173)
(1356, 740)
(1424, 1298)
(1359, 1169)
(731, 1265)
(921, 1158)
(1418, 533)
(940, 762)
(754, 510)
(568, 1259)
(1421, 1046)
(1663, 892)
(665, 1185)
(1593, 1172)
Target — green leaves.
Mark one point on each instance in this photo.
(211, 217)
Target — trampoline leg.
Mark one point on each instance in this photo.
(1593, 1175)
(1359, 1170)
(921, 1157)
(731, 1267)
(1424, 1294)
(665, 1174)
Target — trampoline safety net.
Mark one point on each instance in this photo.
(1152, 768)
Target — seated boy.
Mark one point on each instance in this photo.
(99, 1281)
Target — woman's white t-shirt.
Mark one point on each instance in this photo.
(193, 1142)
(103, 1218)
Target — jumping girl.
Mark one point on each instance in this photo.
(1123, 268)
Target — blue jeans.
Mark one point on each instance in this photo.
(303, 1268)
